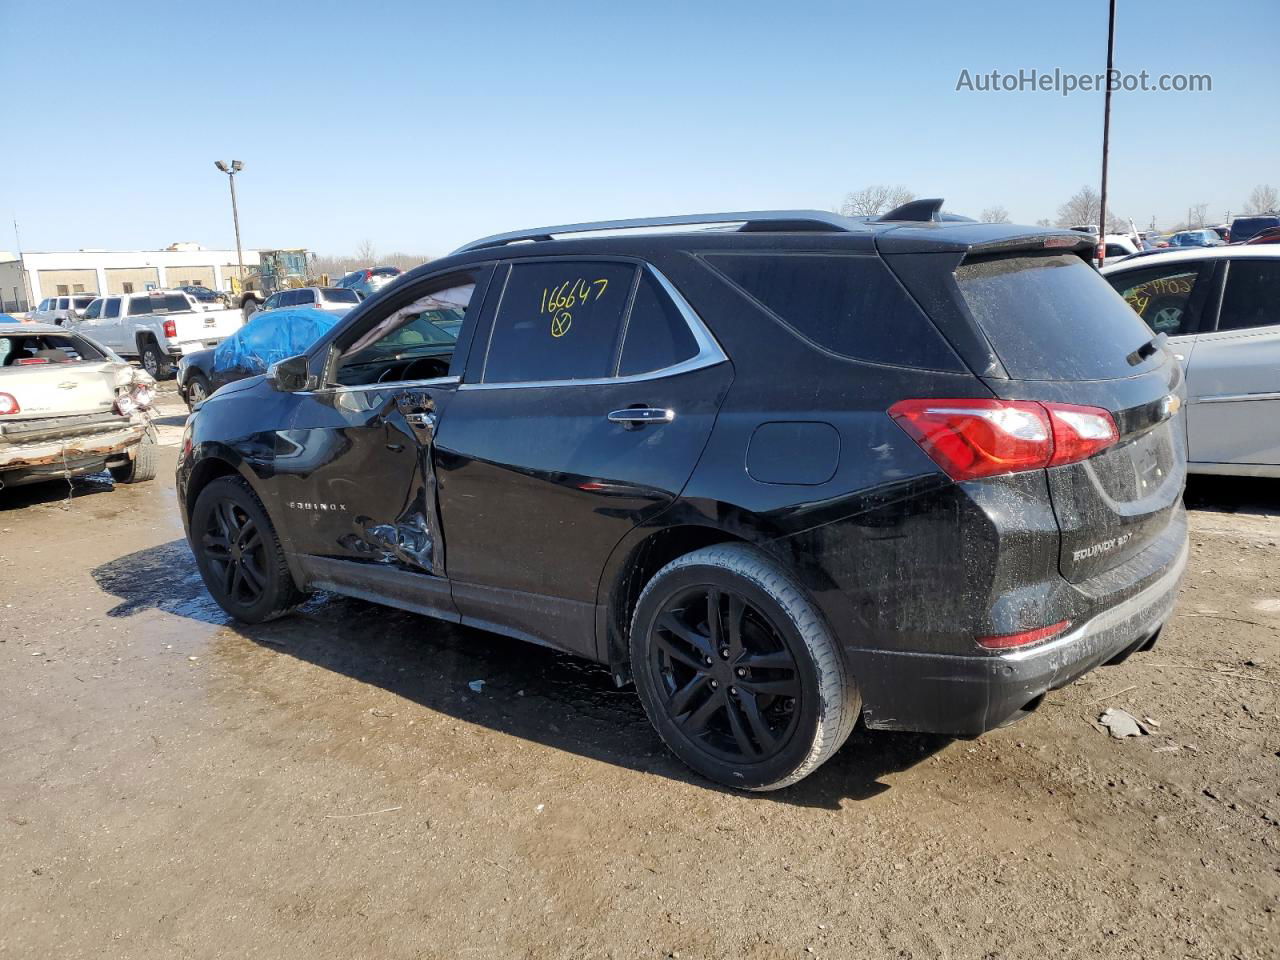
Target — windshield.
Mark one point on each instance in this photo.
(1053, 318)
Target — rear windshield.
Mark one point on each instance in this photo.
(39, 349)
(1245, 227)
(386, 271)
(340, 295)
(1053, 318)
(164, 303)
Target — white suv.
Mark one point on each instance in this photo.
(59, 310)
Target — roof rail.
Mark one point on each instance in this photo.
(915, 210)
(751, 220)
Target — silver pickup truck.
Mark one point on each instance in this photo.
(158, 327)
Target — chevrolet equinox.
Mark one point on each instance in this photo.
(783, 471)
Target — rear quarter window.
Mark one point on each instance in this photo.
(1053, 318)
(848, 305)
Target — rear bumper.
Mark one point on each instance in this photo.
(78, 445)
(967, 695)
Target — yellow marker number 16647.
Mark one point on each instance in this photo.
(571, 293)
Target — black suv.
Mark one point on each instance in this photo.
(783, 474)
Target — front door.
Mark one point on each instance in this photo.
(587, 399)
(1234, 378)
(354, 471)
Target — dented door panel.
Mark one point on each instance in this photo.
(356, 478)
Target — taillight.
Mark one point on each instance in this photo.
(368, 274)
(971, 438)
(29, 361)
(1006, 641)
(9, 404)
(170, 329)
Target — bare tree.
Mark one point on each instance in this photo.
(874, 200)
(1044, 222)
(1263, 199)
(996, 214)
(366, 251)
(1198, 212)
(1082, 209)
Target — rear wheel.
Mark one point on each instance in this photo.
(239, 554)
(737, 670)
(143, 465)
(155, 362)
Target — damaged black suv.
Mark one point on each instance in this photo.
(783, 470)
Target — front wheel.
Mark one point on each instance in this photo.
(737, 670)
(239, 554)
(198, 390)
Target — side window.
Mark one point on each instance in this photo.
(849, 305)
(1161, 295)
(93, 311)
(112, 308)
(63, 302)
(1252, 295)
(657, 335)
(272, 302)
(414, 342)
(558, 321)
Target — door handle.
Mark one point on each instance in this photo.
(634, 417)
(423, 419)
(1179, 356)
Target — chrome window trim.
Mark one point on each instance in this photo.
(385, 385)
(709, 351)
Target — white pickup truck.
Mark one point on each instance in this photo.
(157, 327)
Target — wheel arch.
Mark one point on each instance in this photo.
(633, 564)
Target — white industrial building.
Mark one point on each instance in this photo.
(39, 275)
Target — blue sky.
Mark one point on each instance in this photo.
(421, 125)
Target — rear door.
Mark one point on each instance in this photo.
(1234, 379)
(1063, 336)
(588, 397)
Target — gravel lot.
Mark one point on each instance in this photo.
(330, 785)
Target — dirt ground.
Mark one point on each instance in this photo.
(330, 785)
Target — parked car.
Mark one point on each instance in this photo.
(745, 469)
(205, 295)
(1118, 246)
(1244, 229)
(1220, 309)
(156, 327)
(1269, 235)
(58, 310)
(69, 407)
(334, 299)
(370, 280)
(270, 335)
(1195, 238)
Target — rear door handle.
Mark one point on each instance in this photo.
(640, 416)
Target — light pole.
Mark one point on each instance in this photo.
(231, 171)
(1106, 133)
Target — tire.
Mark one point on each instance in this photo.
(238, 553)
(143, 465)
(776, 723)
(198, 389)
(154, 361)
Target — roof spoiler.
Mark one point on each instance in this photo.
(914, 211)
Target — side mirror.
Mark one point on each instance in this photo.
(290, 375)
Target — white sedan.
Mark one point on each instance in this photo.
(69, 406)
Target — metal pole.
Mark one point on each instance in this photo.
(1106, 134)
(22, 270)
(235, 217)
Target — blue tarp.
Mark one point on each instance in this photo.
(270, 336)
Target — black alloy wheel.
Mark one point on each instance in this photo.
(236, 552)
(728, 678)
